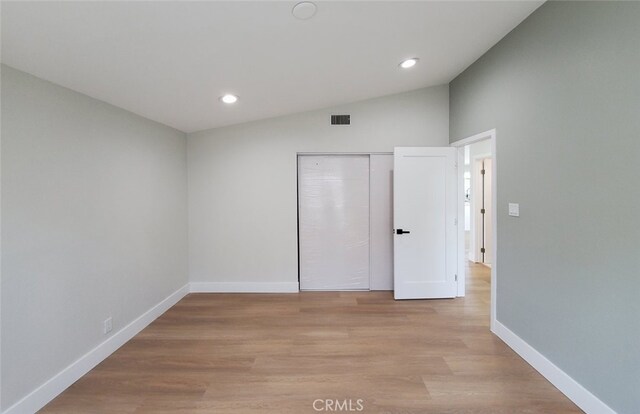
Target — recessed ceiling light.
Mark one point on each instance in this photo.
(229, 99)
(304, 10)
(409, 63)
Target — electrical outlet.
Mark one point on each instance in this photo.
(108, 325)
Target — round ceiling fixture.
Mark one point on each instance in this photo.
(409, 63)
(304, 10)
(229, 99)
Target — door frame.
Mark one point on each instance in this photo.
(460, 144)
(476, 187)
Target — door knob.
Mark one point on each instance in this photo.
(400, 231)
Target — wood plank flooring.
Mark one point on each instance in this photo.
(278, 353)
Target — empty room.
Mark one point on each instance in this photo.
(294, 207)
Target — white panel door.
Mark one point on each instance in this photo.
(381, 221)
(333, 208)
(425, 214)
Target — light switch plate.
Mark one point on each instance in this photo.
(514, 209)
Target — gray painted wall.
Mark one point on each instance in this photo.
(563, 92)
(94, 220)
(242, 179)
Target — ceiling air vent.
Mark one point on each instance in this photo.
(340, 119)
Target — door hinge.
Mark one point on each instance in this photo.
(455, 221)
(482, 211)
(482, 171)
(456, 277)
(482, 250)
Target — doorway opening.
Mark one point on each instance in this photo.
(477, 238)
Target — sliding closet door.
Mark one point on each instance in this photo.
(333, 203)
(381, 222)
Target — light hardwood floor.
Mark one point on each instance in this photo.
(278, 353)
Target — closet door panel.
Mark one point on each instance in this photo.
(333, 207)
(381, 221)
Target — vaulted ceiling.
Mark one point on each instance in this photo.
(171, 61)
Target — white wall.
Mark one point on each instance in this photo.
(480, 148)
(94, 221)
(242, 180)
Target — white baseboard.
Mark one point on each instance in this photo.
(61, 381)
(584, 399)
(244, 287)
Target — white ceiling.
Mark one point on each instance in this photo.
(171, 61)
